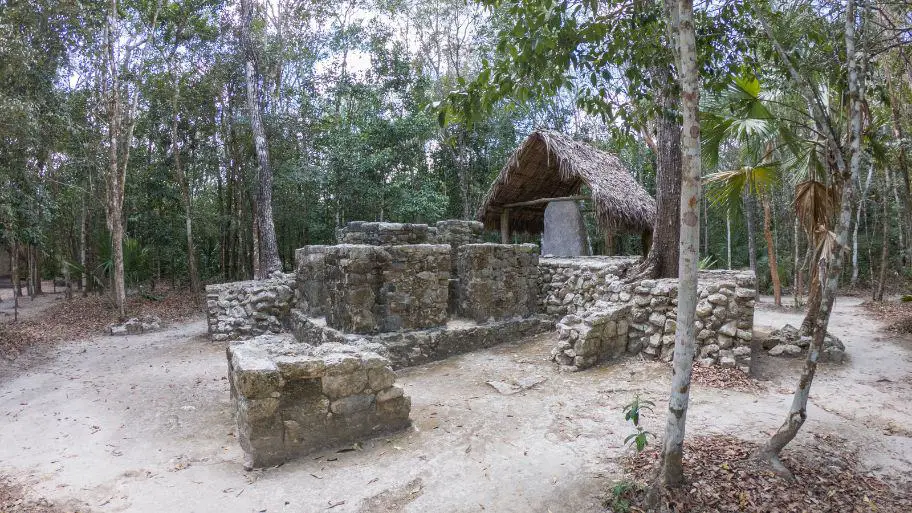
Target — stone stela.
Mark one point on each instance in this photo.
(565, 230)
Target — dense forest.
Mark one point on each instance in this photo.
(156, 122)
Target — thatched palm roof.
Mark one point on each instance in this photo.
(549, 164)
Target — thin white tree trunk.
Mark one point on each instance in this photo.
(83, 280)
(861, 207)
(728, 238)
(829, 264)
(681, 25)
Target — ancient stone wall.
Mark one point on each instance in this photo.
(599, 335)
(497, 281)
(383, 234)
(725, 318)
(291, 398)
(310, 287)
(725, 311)
(456, 232)
(246, 309)
(374, 289)
(569, 285)
(408, 348)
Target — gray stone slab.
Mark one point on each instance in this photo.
(565, 230)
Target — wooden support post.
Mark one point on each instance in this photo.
(609, 243)
(505, 226)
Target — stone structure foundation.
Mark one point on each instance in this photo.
(293, 398)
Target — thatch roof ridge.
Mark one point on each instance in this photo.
(621, 204)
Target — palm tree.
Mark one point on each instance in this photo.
(740, 117)
(743, 117)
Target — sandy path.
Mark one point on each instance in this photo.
(144, 424)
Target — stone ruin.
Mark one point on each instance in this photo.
(388, 296)
(396, 295)
(788, 341)
(293, 398)
(579, 289)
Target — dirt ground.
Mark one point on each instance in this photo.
(144, 424)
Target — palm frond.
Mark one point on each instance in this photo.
(815, 204)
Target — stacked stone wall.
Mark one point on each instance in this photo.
(291, 399)
(725, 311)
(571, 285)
(310, 277)
(383, 234)
(497, 281)
(457, 233)
(598, 336)
(725, 318)
(246, 309)
(374, 289)
(408, 348)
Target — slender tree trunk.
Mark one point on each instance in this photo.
(83, 286)
(662, 259)
(184, 185)
(771, 251)
(885, 242)
(14, 265)
(681, 27)
(255, 237)
(796, 280)
(903, 163)
(728, 238)
(748, 200)
(269, 249)
(30, 270)
(14, 272)
(38, 258)
(829, 266)
(861, 207)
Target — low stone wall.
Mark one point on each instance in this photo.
(598, 336)
(725, 318)
(383, 234)
(246, 309)
(497, 281)
(725, 312)
(377, 289)
(408, 348)
(570, 285)
(292, 399)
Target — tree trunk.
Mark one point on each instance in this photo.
(14, 271)
(682, 26)
(829, 266)
(269, 249)
(858, 211)
(728, 238)
(885, 242)
(14, 266)
(748, 201)
(903, 163)
(83, 275)
(662, 259)
(771, 251)
(184, 185)
(796, 276)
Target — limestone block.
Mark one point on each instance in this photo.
(293, 398)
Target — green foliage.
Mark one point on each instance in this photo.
(619, 501)
(632, 413)
(707, 262)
